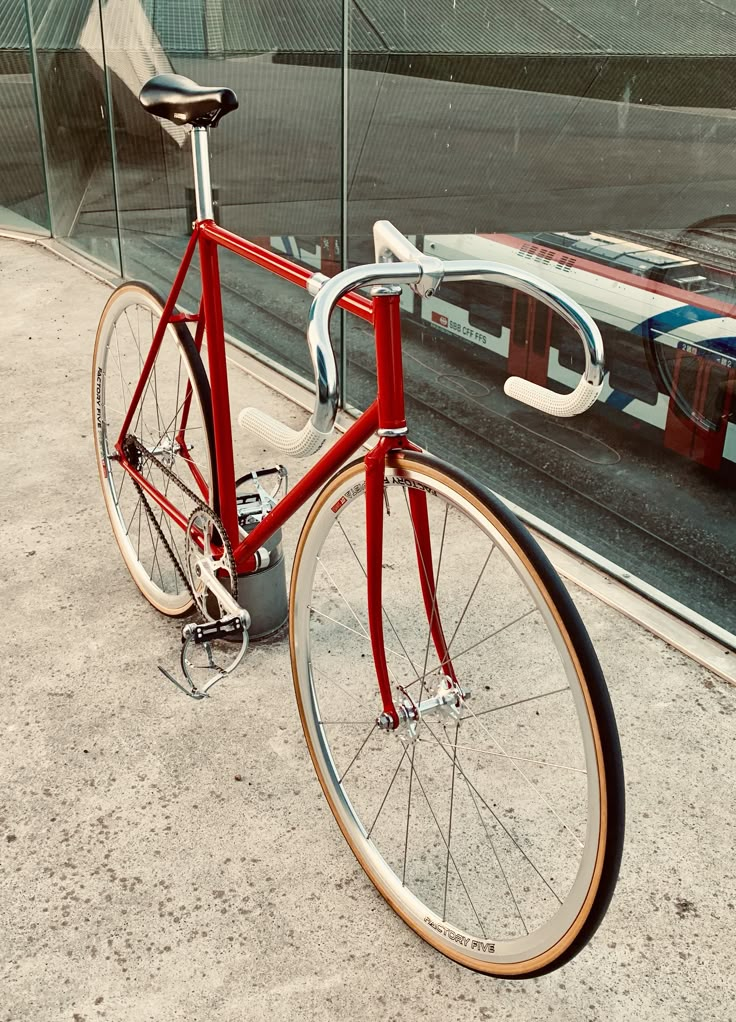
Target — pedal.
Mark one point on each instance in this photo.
(209, 652)
(190, 691)
(209, 631)
(254, 501)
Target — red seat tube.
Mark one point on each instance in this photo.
(212, 303)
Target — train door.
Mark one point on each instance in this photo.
(530, 338)
(701, 392)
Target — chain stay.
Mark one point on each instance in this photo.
(209, 631)
(133, 444)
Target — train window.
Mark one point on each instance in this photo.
(609, 252)
(698, 387)
(493, 307)
(726, 348)
(719, 382)
(634, 265)
(568, 344)
(487, 305)
(629, 363)
(689, 278)
(627, 359)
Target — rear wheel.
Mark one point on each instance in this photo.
(495, 831)
(173, 422)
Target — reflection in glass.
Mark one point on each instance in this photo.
(590, 163)
(603, 173)
(72, 91)
(22, 186)
(275, 160)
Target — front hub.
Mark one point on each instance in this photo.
(446, 703)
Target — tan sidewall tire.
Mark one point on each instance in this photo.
(607, 750)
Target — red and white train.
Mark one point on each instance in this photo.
(668, 325)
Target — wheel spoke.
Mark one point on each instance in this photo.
(500, 823)
(514, 759)
(336, 684)
(449, 824)
(520, 702)
(388, 790)
(470, 598)
(492, 846)
(515, 764)
(363, 744)
(347, 628)
(447, 846)
(475, 645)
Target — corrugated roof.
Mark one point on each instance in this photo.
(13, 27)
(555, 26)
(694, 27)
(57, 24)
(474, 26)
(286, 25)
(295, 26)
(653, 26)
(179, 24)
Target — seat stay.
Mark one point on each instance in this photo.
(166, 318)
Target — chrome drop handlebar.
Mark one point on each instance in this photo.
(424, 273)
(589, 386)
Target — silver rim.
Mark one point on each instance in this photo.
(484, 833)
(125, 335)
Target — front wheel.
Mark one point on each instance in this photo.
(495, 829)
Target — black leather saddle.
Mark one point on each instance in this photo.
(182, 101)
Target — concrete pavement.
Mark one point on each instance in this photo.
(163, 859)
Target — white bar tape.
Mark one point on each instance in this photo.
(564, 405)
(298, 443)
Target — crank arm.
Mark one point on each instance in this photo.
(224, 597)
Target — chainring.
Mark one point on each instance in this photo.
(216, 549)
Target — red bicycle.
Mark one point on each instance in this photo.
(452, 702)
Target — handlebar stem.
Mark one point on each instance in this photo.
(318, 331)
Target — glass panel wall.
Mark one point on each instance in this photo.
(610, 174)
(71, 82)
(23, 203)
(597, 166)
(275, 161)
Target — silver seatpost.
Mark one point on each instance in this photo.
(202, 182)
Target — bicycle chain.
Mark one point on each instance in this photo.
(132, 442)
